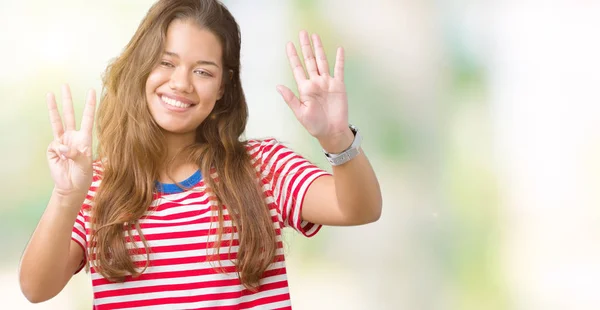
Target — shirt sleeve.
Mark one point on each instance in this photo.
(288, 175)
(79, 232)
(79, 236)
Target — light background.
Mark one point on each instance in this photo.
(481, 119)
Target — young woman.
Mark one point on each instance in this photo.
(177, 212)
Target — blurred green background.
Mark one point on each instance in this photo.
(479, 117)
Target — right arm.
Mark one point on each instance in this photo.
(51, 256)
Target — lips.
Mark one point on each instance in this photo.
(177, 102)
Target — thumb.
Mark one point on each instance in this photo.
(290, 98)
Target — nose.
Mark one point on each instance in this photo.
(180, 81)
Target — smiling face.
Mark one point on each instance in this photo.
(182, 89)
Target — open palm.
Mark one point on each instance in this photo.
(70, 153)
(322, 104)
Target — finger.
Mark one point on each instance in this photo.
(68, 113)
(81, 157)
(322, 64)
(87, 121)
(55, 121)
(295, 64)
(290, 99)
(338, 71)
(65, 152)
(309, 56)
(58, 150)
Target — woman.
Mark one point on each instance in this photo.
(176, 211)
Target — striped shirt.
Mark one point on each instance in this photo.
(180, 228)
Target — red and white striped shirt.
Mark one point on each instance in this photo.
(179, 232)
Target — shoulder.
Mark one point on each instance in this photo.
(98, 169)
(255, 147)
(264, 148)
(256, 144)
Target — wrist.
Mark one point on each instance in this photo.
(347, 153)
(337, 143)
(68, 198)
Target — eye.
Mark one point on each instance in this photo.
(202, 73)
(167, 64)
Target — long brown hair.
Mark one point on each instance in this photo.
(133, 148)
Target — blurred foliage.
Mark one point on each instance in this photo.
(447, 162)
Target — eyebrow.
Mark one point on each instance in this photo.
(199, 62)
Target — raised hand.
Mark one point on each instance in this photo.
(322, 103)
(70, 153)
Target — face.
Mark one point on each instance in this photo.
(182, 89)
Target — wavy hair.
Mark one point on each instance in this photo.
(134, 148)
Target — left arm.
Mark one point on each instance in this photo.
(352, 195)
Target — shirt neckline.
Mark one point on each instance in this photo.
(172, 188)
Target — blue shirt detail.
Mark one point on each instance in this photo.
(170, 188)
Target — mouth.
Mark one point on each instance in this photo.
(177, 103)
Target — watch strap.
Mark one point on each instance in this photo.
(349, 153)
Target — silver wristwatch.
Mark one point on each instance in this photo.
(349, 153)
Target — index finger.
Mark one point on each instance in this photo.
(87, 121)
(55, 121)
(295, 63)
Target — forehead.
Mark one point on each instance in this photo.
(192, 43)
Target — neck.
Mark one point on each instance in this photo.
(176, 142)
(177, 166)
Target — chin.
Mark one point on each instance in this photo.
(174, 128)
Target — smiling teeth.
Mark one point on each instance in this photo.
(175, 103)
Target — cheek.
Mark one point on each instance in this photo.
(155, 79)
(208, 91)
